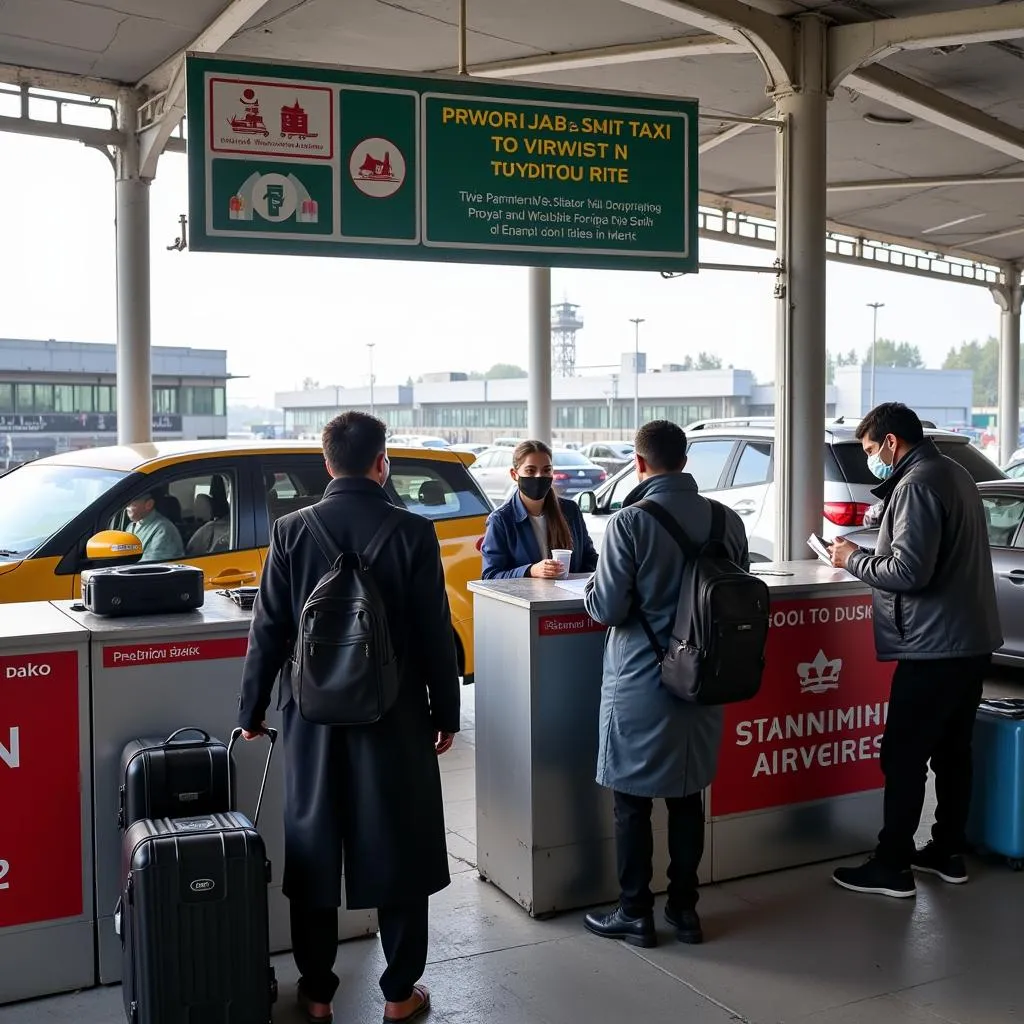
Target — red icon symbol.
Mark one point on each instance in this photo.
(295, 123)
(377, 170)
(251, 123)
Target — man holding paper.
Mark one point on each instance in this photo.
(935, 615)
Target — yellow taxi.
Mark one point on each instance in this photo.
(221, 499)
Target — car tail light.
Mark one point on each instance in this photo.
(845, 513)
(561, 476)
(602, 476)
(479, 545)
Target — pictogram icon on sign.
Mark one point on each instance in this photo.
(295, 123)
(377, 167)
(820, 675)
(251, 121)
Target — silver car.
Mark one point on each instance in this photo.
(1004, 509)
(735, 465)
(611, 456)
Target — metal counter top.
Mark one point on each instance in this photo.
(803, 577)
(20, 624)
(218, 613)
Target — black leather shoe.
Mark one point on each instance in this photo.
(686, 924)
(637, 931)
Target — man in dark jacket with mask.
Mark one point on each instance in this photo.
(935, 615)
(368, 796)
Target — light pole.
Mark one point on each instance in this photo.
(369, 346)
(875, 307)
(636, 321)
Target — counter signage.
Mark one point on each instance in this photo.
(563, 625)
(815, 729)
(329, 161)
(136, 655)
(40, 840)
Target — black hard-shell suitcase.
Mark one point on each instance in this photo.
(143, 589)
(193, 920)
(175, 777)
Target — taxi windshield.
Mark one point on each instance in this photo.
(37, 500)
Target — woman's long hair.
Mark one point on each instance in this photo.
(559, 535)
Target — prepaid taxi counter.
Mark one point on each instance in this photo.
(151, 675)
(47, 922)
(798, 778)
(74, 689)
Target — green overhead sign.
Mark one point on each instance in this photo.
(311, 160)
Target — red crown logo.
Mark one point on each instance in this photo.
(819, 675)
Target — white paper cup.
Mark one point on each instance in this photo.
(563, 555)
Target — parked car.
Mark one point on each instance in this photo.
(735, 465)
(1015, 470)
(416, 441)
(476, 450)
(1004, 510)
(574, 473)
(51, 508)
(611, 456)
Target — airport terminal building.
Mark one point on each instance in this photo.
(57, 396)
(602, 407)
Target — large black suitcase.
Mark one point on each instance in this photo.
(193, 919)
(143, 589)
(176, 777)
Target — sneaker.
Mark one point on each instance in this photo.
(637, 931)
(949, 867)
(686, 924)
(875, 877)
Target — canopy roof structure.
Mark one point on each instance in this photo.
(926, 117)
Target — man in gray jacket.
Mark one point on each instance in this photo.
(651, 744)
(935, 615)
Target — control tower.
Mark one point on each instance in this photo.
(566, 320)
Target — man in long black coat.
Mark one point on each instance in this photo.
(368, 796)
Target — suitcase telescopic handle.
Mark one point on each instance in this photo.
(205, 736)
(271, 734)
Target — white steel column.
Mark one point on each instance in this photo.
(538, 409)
(800, 336)
(1008, 296)
(134, 379)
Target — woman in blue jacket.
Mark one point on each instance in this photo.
(534, 522)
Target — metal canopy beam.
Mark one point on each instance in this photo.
(55, 81)
(853, 46)
(769, 37)
(903, 93)
(164, 88)
(603, 56)
(897, 184)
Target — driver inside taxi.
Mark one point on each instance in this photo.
(161, 541)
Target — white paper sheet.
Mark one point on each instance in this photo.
(815, 543)
(578, 587)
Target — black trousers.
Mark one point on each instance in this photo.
(403, 934)
(931, 719)
(634, 847)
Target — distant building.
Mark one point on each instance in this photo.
(61, 395)
(594, 408)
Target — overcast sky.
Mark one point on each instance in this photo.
(282, 319)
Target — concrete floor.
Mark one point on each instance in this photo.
(781, 949)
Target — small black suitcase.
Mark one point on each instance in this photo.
(143, 589)
(193, 919)
(174, 777)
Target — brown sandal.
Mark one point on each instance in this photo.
(421, 1011)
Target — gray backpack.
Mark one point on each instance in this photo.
(344, 667)
(716, 652)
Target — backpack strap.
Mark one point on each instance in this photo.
(382, 536)
(717, 523)
(324, 541)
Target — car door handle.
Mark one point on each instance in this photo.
(233, 577)
(745, 508)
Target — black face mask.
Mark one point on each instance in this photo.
(535, 487)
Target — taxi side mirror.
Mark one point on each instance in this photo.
(112, 547)
(587, 502)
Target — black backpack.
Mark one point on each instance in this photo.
(716, 651)
(344, 668)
